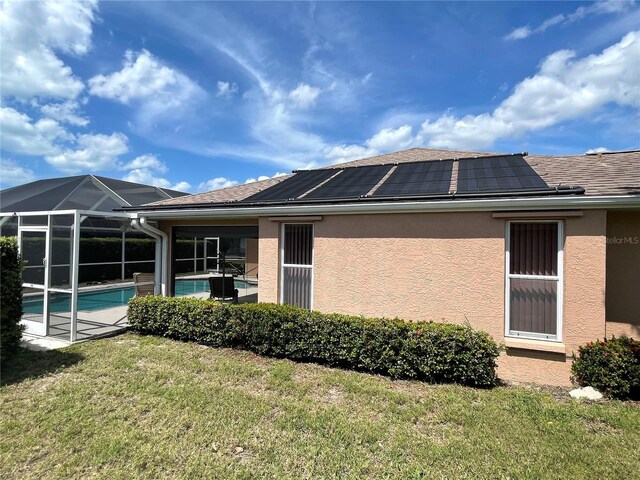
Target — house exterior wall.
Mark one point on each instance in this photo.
(447, 267)
(623, 268)
(268, 261)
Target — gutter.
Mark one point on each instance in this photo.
(551, 191)
(411, 206)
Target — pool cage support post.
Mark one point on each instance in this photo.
(163, 264)
(75, 261)
(157, 279)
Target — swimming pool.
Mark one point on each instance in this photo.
(107, 298)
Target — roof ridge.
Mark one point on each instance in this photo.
(344, 167)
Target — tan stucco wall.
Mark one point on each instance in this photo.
(268, 261)
(445, 267)
(623, 273)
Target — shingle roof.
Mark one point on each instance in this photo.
(413, 155)
(229, 194)
(611, 173)
(615, 173)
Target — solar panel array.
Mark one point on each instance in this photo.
(497, 174)
(292, 187)
(483, 176)
(351, 183)
(419, 178)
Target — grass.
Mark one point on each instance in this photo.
(145, 407)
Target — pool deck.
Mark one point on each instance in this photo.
(101, 323)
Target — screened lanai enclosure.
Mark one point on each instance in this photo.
(198, 252)
(80, 256)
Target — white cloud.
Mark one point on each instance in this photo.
(146, 177)
(142, 75)
(94, 152)
(65, 112)
(346, 153)
(161, 92)
(263, 177)
(564, 88)
(304, 96)
(226, 89)
(366, 78)
(19, 134)
(147, 161)
(216, 183)
(146, 169)
(30, 34)
(595, 8)
(182, 186)
(389, 139)
(13, 174)
(597, 150)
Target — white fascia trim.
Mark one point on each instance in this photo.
(92, 213)
(552, 203)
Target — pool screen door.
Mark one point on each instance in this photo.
(296, 271)
(34, 249)
(212, 254)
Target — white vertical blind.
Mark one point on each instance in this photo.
(533, 279)
(297, 264)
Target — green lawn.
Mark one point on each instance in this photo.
(144, 407)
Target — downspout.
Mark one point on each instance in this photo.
(160, 286)
(158, 254)
(164, 262)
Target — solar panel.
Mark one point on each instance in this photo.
(417, 178)
(351, 183)
(292, 187)
(495, 174)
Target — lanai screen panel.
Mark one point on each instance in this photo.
(496, 174)
(418, 178)
(351, 183)
(292, 187)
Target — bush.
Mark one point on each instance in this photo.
(10, 297)
(432, 352)
(611, 366)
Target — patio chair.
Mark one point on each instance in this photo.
(144, 284)
(230, 291)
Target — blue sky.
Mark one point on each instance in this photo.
(197, 96)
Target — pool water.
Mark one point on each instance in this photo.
(112, 297)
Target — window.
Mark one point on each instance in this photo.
(534, 280)
(296, 271)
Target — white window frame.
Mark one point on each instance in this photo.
(283, 265)
(559, 278)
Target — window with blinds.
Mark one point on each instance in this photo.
(534, 288)
(297, 265)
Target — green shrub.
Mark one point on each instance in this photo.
(611, 366)
(10, 297)
(432, 352)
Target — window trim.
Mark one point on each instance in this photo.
(559, 278)
(283, 265)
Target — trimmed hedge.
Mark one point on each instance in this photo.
(10, 297)
(611, 366)
(432, 352)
